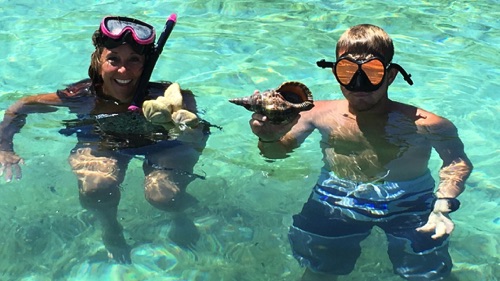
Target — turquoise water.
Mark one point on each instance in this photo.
(225, 49)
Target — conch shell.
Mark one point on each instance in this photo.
(281, 104)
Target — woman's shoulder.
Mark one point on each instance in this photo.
(81, 88)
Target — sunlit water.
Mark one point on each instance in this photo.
(225, 49)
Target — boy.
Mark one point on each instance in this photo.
(376, 153)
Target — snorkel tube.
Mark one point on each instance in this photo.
(150, 64)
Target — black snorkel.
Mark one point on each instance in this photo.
(150, 64)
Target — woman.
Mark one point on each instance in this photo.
(109, 136)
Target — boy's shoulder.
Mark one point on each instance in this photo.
(330, 103)
(324, 110)
(423, 117)
(324, 106)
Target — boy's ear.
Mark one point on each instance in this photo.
(391, 75)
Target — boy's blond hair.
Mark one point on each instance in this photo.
(366, 39)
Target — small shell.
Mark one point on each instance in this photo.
(279, 105)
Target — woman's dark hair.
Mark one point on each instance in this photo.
(95, 59)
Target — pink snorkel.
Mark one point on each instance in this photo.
(150, 64)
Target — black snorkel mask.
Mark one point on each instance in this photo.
(362, 75)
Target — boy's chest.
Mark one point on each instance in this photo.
(385, 139)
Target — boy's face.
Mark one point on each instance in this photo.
(366, 69)
(362, 101)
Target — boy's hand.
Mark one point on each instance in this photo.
(268, 131)
(438, 222)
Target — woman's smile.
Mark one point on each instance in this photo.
(121, 69)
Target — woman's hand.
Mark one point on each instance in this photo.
(10, 165)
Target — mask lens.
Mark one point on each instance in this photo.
(374, 70)
(114, 43)
(116, 27)
(345, 70)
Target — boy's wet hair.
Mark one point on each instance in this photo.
(366, 39)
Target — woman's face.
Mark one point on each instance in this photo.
(121, 69)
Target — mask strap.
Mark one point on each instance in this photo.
(406, 76)
(324, 64)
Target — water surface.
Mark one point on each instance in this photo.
(225, 49)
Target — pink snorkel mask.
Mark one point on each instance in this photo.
(120, 30)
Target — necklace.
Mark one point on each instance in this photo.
(348, 116)
(110, 99)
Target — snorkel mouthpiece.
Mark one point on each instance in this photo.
(150, 64)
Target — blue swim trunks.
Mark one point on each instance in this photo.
(326, 234)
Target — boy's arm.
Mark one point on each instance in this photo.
(454, 172)
(456, 166)
(276, 140)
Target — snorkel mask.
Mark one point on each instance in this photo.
(116, 31)
(362, 75)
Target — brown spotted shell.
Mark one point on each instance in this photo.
(281, 104)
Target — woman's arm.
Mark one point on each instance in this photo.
(14, 119)
(15, 116)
